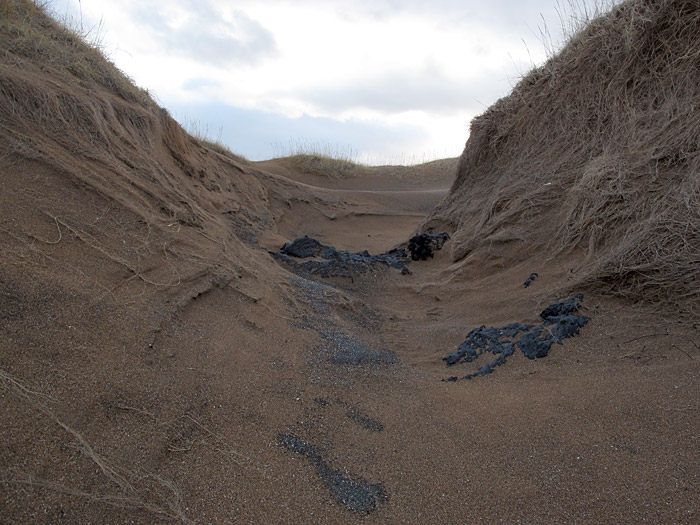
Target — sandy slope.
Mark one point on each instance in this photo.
(158, 364)
(602, 430)
(195, 421)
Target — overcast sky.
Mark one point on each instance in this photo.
(386, 81)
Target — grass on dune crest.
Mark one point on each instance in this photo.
(597, 152)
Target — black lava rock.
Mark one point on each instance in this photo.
(529, 280)
(327, 261)
(563, 307)
(566, 326)
(334, 262)
(421, 246)
(303, 247)
(535, 342)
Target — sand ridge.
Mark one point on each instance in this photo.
(159, 365)
(325, 400)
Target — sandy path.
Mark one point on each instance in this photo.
(599, 431)
(267, 396)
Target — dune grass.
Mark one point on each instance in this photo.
(221, 148)
(320, 158)
(34, 36)
(597, 151)
(205, 137)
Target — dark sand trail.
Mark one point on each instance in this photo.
(540, 440)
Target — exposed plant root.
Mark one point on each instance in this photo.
(131, 499)
(92, 243)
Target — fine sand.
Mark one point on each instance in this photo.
(162, 362)
(311, 400)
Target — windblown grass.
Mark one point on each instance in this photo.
(597, 150)
(36, 37)
(125, 496)
(320, 158)
(205, 137)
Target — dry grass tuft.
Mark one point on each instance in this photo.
(328, 166)
(319, 158)
(222, 149)
(204, 134)
(37, 38)
(62, 103)
(597, 150)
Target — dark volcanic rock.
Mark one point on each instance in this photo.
(566, 326)
(484, 339)
(563, 307)
(535, 341)
(327, 261)
(331, 262)
(529, 280)
(358, 495)
(303, 247)
(421, 246)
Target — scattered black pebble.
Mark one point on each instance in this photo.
(421, 246)
(529, 280)
(364, 421)
(358, 495)
(535, 342)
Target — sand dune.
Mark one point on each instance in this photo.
(159, 364)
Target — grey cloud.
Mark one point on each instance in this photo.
(427, 90)
(208, 38)
(497, 13)
(522, 19)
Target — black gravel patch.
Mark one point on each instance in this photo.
(423, 245)
(321, 401)
(535, 342)
(366, 422)
(245, 226)
(357, 495)
(346, 350)
(336, 346)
